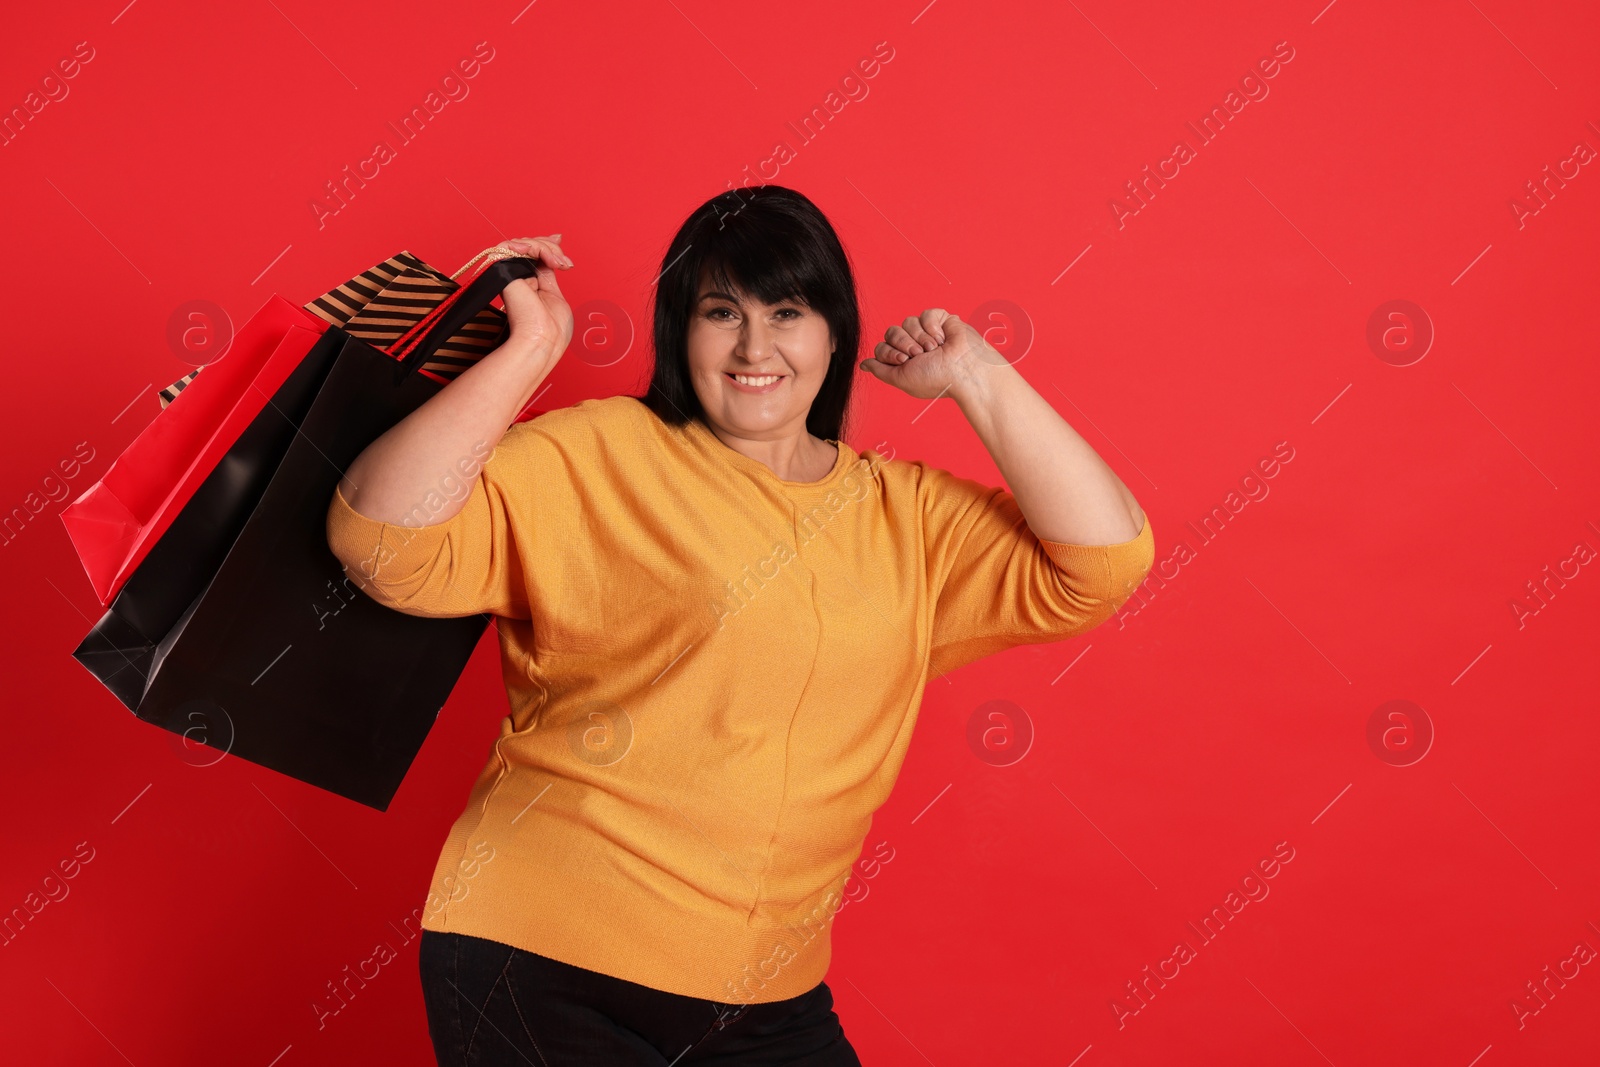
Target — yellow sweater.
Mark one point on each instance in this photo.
(713, 676)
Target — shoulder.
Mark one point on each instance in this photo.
(920, 482)
(606, 411)
(571, 442)
(585, 422)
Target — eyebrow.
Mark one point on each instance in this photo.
(718, 295)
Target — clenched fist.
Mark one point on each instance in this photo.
(537, 312)
(929, 354)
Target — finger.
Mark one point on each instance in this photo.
(899, 339)
(518, 297)
(551, 253)
(947, 323)
(886, 353)
(541, 247)
(547, 278)
(561, 258)
(521, 289)
(914, 327)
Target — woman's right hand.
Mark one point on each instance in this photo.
(538, 314)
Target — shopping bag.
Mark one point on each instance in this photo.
(391, 299)
(113, 523)
(392, 304)
(249, 636)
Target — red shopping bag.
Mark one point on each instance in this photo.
(114, 522)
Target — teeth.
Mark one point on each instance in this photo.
(768, 380)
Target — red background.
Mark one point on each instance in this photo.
(1227, 714)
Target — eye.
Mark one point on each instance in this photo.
(712, 314)
(790, 311)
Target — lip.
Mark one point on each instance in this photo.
(754, 388)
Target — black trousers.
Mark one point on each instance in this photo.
(490, 1004)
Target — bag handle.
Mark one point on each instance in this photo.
(494, 253)
(465, 305)
(402, 345)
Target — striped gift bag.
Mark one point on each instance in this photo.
(388, 306)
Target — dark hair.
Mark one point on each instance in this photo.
(771, 244)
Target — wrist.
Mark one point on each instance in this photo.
(974, 384)
(518, 342)
(526, 351)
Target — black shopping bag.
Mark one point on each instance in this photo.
(241, 630)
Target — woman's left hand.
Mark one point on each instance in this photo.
(929, 354)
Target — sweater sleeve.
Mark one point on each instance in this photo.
(996, 585)
(469, 564)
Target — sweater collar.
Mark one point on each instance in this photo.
(846, 458)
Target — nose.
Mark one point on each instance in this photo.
(756, 340)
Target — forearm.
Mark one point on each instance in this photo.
(400, 477)
(1062, 486)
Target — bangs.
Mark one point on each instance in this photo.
(762, 265)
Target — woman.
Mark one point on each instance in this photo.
(716, 619)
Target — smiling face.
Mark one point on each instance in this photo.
(732, 334)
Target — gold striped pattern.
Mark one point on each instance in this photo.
(380, 304)
(343, 303)
(170, 393)
(406, 300)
